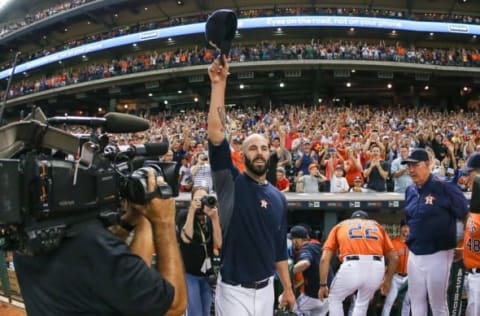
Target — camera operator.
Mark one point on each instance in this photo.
(94, 272)
(200, 240)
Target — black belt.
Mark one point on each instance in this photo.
(253, 285)
(473, 270)
(356, 258)
(402, 274)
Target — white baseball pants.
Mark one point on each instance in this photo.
(309, 306)
(397, 283)
(428, 277)
(239, 301)
(473, 290)
(364, 275)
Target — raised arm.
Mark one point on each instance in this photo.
(161, 214)
(217, 114)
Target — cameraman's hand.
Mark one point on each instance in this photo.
(157, 210)
(131, 215)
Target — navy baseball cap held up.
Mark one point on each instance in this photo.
(417, 155)
(220, 30)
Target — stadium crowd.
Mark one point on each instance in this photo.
(326, 142)
(246, 13)
(31, 18)
(265, 50)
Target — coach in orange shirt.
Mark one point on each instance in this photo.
(362, 244)
(400, 278)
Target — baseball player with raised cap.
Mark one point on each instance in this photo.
(471, 242)
(432, 208)
(362, 244)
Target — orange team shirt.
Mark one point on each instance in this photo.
(358, 237)
(402, 251)
(471, 242)
(237, 160)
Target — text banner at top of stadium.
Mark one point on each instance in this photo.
(252, 23)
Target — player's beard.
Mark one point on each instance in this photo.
(258, 171)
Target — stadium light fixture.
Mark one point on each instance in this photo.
(4, 4)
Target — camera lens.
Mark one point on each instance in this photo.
(209, 200)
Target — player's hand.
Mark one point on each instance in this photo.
(287, 298)
(323, 292)
(157, 210)
(385, 287)
(217, 71)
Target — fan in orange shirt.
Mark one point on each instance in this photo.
(236, 154)
(362, 244)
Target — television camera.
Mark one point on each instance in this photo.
(51, 179)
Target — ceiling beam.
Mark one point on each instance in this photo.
(410, 4)
(370, 5)
(454, 2)
(159, 8)
(202, 5)
(237, 7)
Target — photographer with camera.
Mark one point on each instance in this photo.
(93, 272)
(200, 240)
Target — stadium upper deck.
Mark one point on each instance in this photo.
(81, 21)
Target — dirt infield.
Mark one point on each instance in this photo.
(9, 310)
